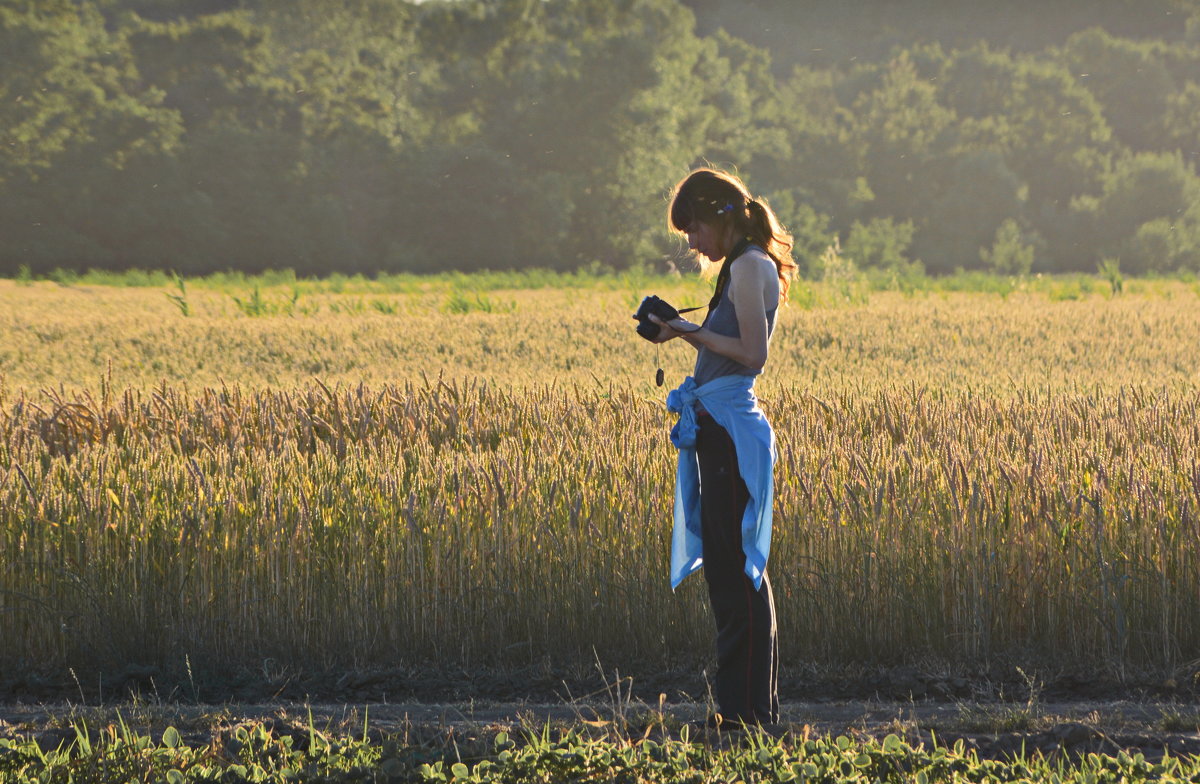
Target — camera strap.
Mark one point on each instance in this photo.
(735, 252)
(722, 277)
(722, 281)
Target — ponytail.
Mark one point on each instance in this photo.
(765, 230)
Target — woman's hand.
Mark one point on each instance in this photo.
(671, 329)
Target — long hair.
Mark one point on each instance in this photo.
(720, 199)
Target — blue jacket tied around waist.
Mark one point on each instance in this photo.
(731, 402)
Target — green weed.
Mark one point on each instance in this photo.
(180, 299)
(257, 752)
(460, 302)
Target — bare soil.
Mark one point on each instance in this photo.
(992, 729)
(999, 712)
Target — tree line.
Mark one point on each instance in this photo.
(391, 136)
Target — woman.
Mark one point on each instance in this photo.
(727, 447)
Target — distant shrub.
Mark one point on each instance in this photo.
(880, 243)
(1009, 254)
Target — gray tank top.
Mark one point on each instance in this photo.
(723, 320)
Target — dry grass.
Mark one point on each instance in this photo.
(960, 476)
(52, 336)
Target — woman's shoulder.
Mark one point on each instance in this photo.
(754, 262)
(754, 271)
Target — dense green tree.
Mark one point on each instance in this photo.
(822, 175)
(391, 135)
(747, 130)
(977, 193)
(241, 164)
(880, 243)
(357, 86)
(901, 130)
(1181, 121)
(596, 118)
(825, 33)
(810, 230)
(78, 125)
(1129, 79)
(1051, 130)
(1146, 214)
(356, 63)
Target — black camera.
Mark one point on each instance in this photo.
(652, 304)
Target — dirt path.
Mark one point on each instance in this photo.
(994, 729)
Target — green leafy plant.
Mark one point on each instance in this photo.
(255, 752)
(180, 299)
(256, 305)
(460, 302)
(1110, 270)
(386, 307)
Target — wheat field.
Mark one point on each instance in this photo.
(366, 477)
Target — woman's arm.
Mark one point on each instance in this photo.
(748, 281)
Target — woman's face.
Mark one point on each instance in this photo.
(707, 240)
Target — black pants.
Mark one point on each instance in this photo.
(747, 659)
